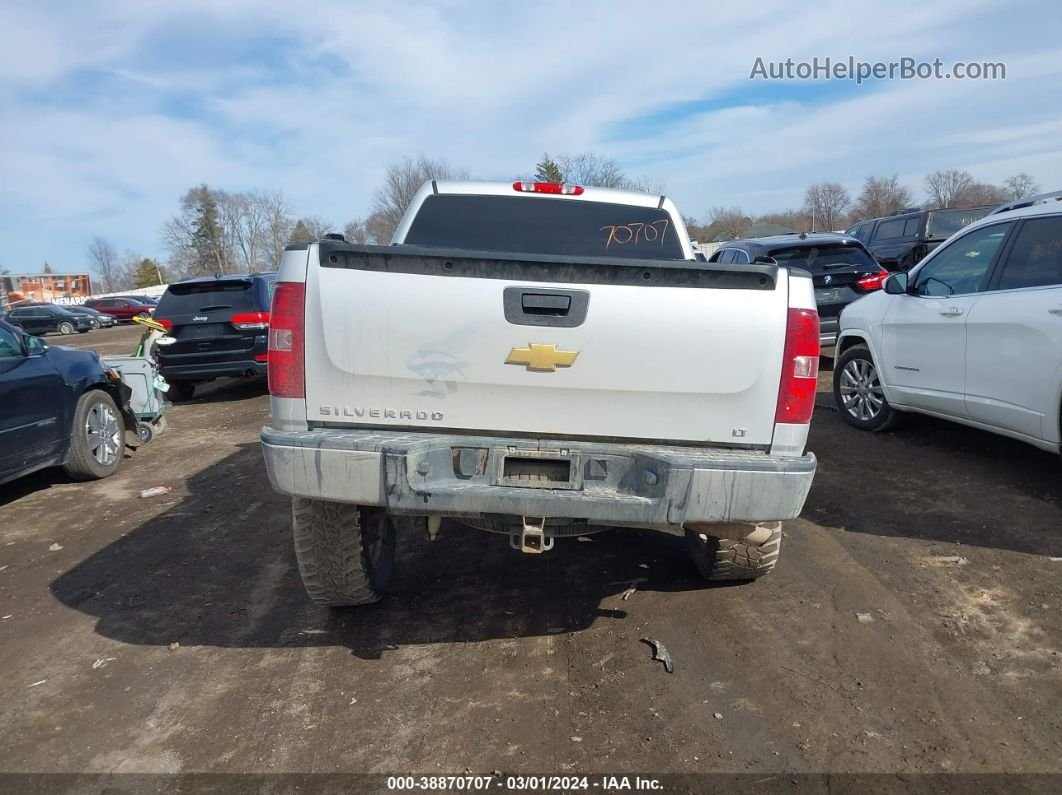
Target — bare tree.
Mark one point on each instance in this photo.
(590, 168)
(401, 183)
(730, 221)
(355, 231)
(1020, 185)
(827, 203)
(882, 196)
(378, 228)
(947, 188)
(983, 193)
(277, 222)
(103, 261)
(797, 220)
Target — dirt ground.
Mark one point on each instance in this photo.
(912, 626)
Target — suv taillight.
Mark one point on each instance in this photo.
(248, 321)
(287, 366)
(873, 281)
(800, 368)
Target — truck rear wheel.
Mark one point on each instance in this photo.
(743, 558)
(345, 552)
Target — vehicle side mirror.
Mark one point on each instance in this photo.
(35, 346)
(896, 284)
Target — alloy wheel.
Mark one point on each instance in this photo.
(861, 390)
(104, 434)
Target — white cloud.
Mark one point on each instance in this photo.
(111, 111)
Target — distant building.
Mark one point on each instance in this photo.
(60, 288)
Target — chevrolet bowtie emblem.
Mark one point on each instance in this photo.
(539, 358)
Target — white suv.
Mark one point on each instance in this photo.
(972, 334)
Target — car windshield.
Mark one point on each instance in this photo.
(529, 225)
(825, 257)
(945, 223)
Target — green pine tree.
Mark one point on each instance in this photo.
(148, 274)
(548, 171)
(206, 232)
(47, 268)
(302, 234)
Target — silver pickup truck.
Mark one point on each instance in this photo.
(537, 360)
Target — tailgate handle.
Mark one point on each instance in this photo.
(539, 304)
(545, 306)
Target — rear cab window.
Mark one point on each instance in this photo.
(945, 223)
(534, 225)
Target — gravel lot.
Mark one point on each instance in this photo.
(913, 625)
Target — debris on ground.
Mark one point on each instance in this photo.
(577, 739)
(156, 491)
(865, 618)
(39, 683)
(5, 618)
(102, 661)
(1055, 560)
(643, 565)
(718, 716)
(632, 586)
(55, 547)
(174, 646)
(555, 630)
(958, 560)
(353, 701)
(660, 652)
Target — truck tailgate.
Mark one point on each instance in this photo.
(683, 352)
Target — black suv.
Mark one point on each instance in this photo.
(900, 241)
(841, 268)
(221, 326)
(37, 319)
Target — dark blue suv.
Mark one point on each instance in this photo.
(221, 324)
(58, 407)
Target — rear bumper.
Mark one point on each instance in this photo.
(620, 484)
(206, 370)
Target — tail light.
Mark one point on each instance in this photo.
(873, 281)
(248, 321)
(287, 363)
(800, 368)
(559, 188)
(167, 324)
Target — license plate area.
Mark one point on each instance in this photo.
(828, 296)
(538, 469)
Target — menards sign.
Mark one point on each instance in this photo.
(60, 288)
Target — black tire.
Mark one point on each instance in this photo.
(734, 560)
(346, 553)
(181, 390)
(857, 391)
(143, 315)
(97, 438)
(65, 327)
(93, 323)
(145, 432)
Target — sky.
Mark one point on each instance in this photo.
(110, 111)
